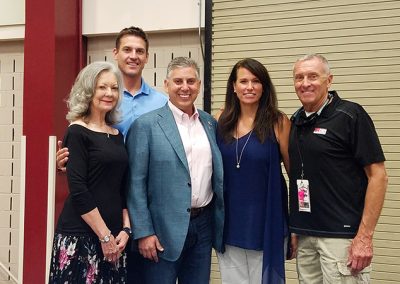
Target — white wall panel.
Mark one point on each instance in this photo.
(11, 92)
(102, 17)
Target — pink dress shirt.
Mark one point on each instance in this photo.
(198, 154)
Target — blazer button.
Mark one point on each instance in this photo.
(189, 184)
(188, 210)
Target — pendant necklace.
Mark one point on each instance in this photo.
(239, 157)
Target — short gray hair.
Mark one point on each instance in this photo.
(312, 56)
(183, 62)
(83, 90)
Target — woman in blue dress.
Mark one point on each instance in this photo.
(253, 139)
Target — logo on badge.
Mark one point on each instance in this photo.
(320, 131)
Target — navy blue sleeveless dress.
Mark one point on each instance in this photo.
(256, 202)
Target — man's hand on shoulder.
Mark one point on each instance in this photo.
(148, 247)
(61, 157)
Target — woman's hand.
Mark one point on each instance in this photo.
(293, 246)
(110, 250)
(122, 240)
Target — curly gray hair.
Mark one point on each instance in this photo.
(82, 91)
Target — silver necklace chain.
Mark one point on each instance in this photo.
(239, 158)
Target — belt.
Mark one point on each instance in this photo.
(196, 212)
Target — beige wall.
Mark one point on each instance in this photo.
(12, 19)
(361, 39)
(11, 81)
(104, 17)
(108, 17)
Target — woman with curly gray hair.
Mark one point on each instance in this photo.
(93, 228)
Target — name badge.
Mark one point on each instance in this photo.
(321, 131)
(303, 194)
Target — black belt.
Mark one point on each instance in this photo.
(196, 212)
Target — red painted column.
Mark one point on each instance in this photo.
(52, 58)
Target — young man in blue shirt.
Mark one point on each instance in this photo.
(131, 54)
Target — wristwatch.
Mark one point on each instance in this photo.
(127, 230)
(106, 238)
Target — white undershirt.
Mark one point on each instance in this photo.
(320, 110)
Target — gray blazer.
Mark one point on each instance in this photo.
(159, 184)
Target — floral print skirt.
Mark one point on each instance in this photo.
(79, 259)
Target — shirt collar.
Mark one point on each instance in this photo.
(328, 98)
(331, 106)
(325, 111)
(144, 89)
(180, 115)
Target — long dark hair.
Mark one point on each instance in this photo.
(267, 113)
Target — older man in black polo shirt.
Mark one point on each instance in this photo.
(337, 180)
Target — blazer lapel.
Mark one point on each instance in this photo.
(209, 129)
(170, 129)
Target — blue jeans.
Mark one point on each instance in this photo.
(193, 265)
(134, 264)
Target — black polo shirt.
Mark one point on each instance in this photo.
(334, 147)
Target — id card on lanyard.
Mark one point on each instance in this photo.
(303, 186)
(303, 195)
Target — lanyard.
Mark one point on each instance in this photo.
(313, 117)
(300, 155)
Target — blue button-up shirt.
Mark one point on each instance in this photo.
(132, 106)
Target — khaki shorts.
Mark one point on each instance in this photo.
(324, 260)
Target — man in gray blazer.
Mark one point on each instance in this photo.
(175, 195)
